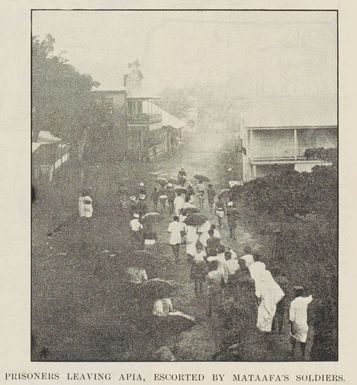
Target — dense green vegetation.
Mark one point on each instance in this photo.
(298, 213)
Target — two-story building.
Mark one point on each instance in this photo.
(276, 133)
(142, 130)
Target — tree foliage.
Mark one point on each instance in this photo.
(294, 193)
(61, 98)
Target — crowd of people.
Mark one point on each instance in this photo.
(215, 267)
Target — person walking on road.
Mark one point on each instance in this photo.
(200, 194)
(232, 217)
(298, 319)
(199, 268)
(136, 228)
(181, 177)
(155, 198)
(210, 196)
(215, 284)
(269, 294)
(163, 199)
(142, 206)
(219, 211)
(171, 195)
(212, 244)
(175, 229)
(178, 204)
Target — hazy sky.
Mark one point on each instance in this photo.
(251, 52)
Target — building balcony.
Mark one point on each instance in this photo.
(286, 158)
(144, 118)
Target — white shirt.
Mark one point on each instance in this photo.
(222, 267)
(191, 234)
(199, 257)
(137, 275)
(256, 269)
(135, 224)
(162, 307)
(179, 202)
(214, 280)
(298, 310)
(200, 188)
(232, 266)
(175, 229)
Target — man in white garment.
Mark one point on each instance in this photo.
(298, 319)
(256, 269)
(175, 229)
(269, 293)
(178, 204)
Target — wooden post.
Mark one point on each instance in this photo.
(295, 144)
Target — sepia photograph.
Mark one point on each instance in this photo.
(184, 197)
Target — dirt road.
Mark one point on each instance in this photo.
(76, 273)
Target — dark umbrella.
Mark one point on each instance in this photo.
(150, 217)
(180, 190)
(202, 178)
(190, 210)
(161, 181)
(176, 322)
(224, 193)
(156, 288)
(195, 219)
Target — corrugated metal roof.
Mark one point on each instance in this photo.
(47, 137)
(170, 120)
(291, 112)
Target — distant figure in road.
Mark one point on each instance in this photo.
(171, 195)
(150, 239)
(142, 189)
(142, 206)
(215, 283)
(178, 204)
(190, 190)
(175, 229)
(220, 258)
(181, 177)
(162, 307)
(136, 228)
(200, 194)
(219, 211)
(231, 267)
(85, 206)
(232, 219)
(269, 294)
(132, 205)
(155, 198)
(211, 193)
(205, 235)
(191, 240)
(136, 276)
(298, 319)
(199, 268)
(212, 244)
(163, 199)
